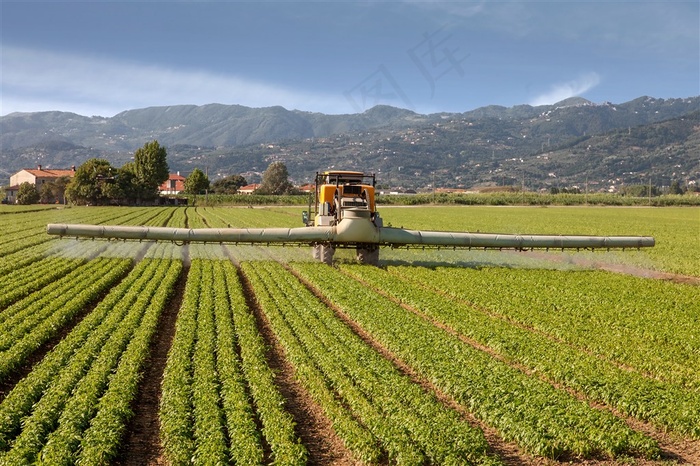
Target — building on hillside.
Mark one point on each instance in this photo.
(307, 188)
(37, 176)
(175, 184)
(248, 189)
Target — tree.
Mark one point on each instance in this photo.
(150, 168)
(130, 184)
(95, 182)
(639, 190)
(229, 185)
(54, 191)
(197, 182)
(676, 187)
(46, 193)
(27, 194)
(275, 180)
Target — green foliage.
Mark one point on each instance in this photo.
(93, 183)
(96, 182)
(375, 409)
(151, 168)
(54, 191)
(542, 419)
(209, 390)
(229, 184)
(675, 188)
(640, 190)
(276, 180)
(197, 182)
(468, 301)
(27, 194)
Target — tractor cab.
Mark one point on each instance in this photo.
(340, 194)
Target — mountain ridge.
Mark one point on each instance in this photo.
(224, 137)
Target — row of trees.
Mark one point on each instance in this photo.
(275, 181)
(97, 182)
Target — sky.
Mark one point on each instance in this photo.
(99, 58)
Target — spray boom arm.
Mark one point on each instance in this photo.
(350, 232)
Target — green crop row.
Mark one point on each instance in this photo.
(277, 423)
(35, 308)
(78, 347)
(23, 257)
(541, 419)
(667, 405)
(394, 417)
(245, 444)
(29, 326)
(19, 241)
(649, 325)
(207, 416)
(45, 415)
(22, 282)
(178, 219)
(30, 229)
(19, 282)
(101, 440)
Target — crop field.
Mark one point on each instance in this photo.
(137, 353)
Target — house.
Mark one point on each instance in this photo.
(38, 177)
(248, 189)
(175, 184)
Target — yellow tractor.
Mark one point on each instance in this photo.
(341, 195)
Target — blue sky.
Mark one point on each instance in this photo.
(103, 57)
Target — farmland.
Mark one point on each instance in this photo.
(154, 353)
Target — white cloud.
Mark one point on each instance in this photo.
(34, 80)
(561, 91)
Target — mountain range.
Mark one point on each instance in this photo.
(565, 144)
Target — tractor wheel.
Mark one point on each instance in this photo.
(368, 256)
(327, 254)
